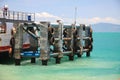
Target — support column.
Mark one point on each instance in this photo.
(18, 34)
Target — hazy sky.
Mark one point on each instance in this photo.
(88, 11)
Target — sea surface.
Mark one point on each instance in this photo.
(104, 64)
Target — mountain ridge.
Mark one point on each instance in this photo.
(106, 27)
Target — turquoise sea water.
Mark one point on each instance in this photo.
(104, 64)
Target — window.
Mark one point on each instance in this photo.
(2, 27)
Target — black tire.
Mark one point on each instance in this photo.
(33, 60)
(58, 60)
(71, 58)
(44, 62)
(17, 62)
(88, 54)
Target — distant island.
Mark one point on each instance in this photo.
(106, 27)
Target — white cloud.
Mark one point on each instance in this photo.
(98, 20)
(111, 20)
(44, 16)
(95, 19)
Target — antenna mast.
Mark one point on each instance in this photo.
(75, 16)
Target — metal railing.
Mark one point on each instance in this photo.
(15, 15)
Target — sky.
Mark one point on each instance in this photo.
(88, 11)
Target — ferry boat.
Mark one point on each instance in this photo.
(8, 21)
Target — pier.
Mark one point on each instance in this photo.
(47, 40)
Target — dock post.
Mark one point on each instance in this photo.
(58, 60)
(33, 60)
(71, 57)
(88, 54)
(44, 48)
(18, 43)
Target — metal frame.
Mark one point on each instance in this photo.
(34, 39)
(85, 37)
(46, 51)
(78, 41)
(67, 39)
